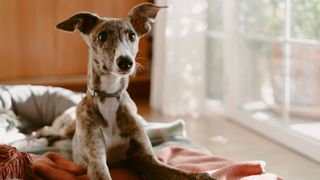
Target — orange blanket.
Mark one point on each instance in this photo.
(53, 166)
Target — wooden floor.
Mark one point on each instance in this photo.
(224, 138)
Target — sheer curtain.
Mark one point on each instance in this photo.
(178, 67)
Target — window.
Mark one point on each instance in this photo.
(263, 66)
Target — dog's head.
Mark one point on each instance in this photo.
(113, 43)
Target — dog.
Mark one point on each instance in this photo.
(108, 127)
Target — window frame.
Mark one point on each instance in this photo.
(230, 108)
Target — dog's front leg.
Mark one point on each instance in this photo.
(95, 153)
(141, 156)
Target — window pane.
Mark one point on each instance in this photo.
(262, 85)
(262, 16)
(260, 69)
(305, 19)
(255, 71)
(304, 75)
(305, 90)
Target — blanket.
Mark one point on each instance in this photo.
(53, 166)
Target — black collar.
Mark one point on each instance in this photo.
(98, 93)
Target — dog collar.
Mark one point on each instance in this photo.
(97, 93)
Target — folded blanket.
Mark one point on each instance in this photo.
(53, 166)
(218, 167)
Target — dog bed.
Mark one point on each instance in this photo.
(26, 108)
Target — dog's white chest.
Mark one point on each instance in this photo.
(108, 109)
(116, 146)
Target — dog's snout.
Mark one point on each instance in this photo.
(124, 63)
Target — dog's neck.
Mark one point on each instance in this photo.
(105, 85)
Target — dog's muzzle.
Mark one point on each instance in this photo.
(124, 63)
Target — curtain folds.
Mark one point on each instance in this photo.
(178, 67)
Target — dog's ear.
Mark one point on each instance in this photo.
(85, 22)
(142, 15)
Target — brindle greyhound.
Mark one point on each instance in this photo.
(108, 128)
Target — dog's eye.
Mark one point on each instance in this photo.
(132, 36)
(102, 36)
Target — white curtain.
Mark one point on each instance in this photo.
(178, 67)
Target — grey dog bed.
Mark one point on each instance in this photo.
(39, 105)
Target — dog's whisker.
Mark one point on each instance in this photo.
(139, 67)
(141, 58)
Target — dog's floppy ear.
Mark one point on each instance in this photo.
(142, 16)
(85, 22)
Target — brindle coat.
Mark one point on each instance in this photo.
(110, 129)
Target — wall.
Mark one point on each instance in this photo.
(33, 51)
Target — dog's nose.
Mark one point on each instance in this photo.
(124, 63)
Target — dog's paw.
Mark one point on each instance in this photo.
(204, 176)
(42, 132)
